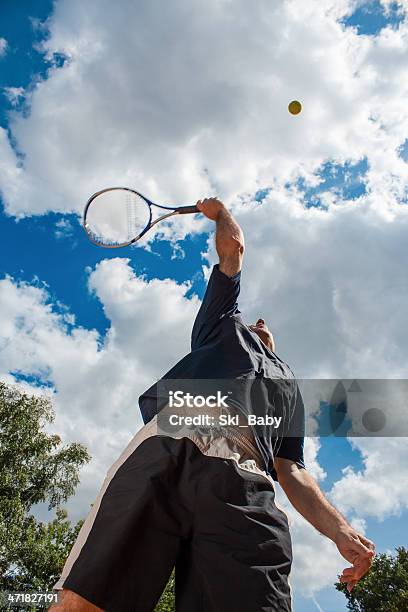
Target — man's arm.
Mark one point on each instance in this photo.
(229, 239)
(305, 495)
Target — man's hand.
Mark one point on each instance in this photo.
(358, 550)
(210, 207)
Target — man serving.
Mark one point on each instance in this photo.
(204, 500)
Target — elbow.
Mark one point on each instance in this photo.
(287, 471)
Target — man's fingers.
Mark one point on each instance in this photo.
(349, 580)
(362, 549)
(349, 571)
(362, 569)
(357, 571)
(368, 543)
(348, 574)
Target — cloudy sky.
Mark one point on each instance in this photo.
(182, 100)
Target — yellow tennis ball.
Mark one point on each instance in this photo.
(294, 107)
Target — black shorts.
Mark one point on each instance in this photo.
(165, 503)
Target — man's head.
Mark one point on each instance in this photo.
(261, 329)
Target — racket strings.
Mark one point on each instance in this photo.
(136, 215)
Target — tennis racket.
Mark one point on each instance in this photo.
(119, 216)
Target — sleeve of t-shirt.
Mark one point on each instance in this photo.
(148, 403)
(292, 445)
(220, 300)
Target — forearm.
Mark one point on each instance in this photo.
(305, 495)
(229, 239)
(229, 242)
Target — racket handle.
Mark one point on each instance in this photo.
(184, 210)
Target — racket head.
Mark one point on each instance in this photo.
(116, 217)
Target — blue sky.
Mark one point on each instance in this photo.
(370, 17)
(345, 181)
(50, 251)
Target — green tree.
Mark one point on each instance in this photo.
(384, 588)
(167, 600)
(34, 468)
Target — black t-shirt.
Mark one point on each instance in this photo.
(223, 347)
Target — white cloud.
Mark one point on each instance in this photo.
(379, 490)
(3, 46)
(14, 94)
(64, 228)
(312, 446)
(203, 112)
(145, 314)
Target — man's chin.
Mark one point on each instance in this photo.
(265, 337)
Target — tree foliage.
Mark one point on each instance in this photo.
(167, 600)
(384, 588)
(34, 468)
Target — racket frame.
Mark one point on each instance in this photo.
(174, 210)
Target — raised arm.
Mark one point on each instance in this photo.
(229, 239)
